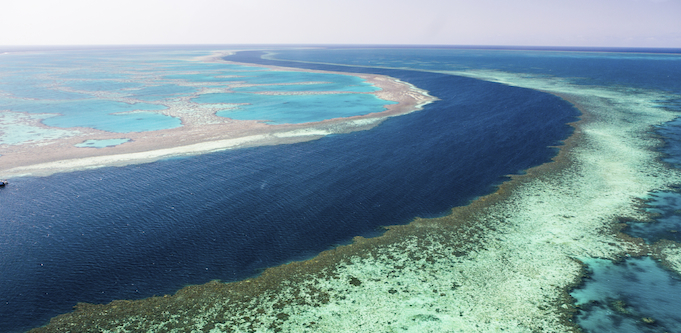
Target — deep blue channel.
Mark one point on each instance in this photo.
(137, 231)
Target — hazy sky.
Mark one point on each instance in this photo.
(639, 23)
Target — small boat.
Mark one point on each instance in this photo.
(3, 183)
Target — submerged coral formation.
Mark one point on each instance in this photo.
(504, 262)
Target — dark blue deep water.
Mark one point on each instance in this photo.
(137, 231)
(651, 69)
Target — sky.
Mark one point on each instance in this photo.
(591, 23)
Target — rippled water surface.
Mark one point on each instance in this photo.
(137, 231)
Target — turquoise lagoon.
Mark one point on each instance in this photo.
(666, 207)
(102, 85)
(295, 109)
(105, 115)
(362, 87)
(124, 92)
(158, 93)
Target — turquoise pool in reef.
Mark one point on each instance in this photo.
(362, 86)
(635, 295)
(295, 109)
(162, 92)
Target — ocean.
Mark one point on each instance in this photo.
(142, 230)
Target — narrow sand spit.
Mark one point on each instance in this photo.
(504, 262)
(202, 131)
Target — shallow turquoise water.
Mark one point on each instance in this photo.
(103, 115)
(40, 92)
(156, 93)
(192, 66)
(27, 87)
(101, 85)
(618, 297)
(364, 87)
(272, 77)
(295, 109)
(91, 75)
(667, 222)
(43, 82)
(203, 77)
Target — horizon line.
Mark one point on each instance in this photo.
(632, 49)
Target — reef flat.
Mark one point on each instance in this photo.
(504, 262)
(30, 147)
